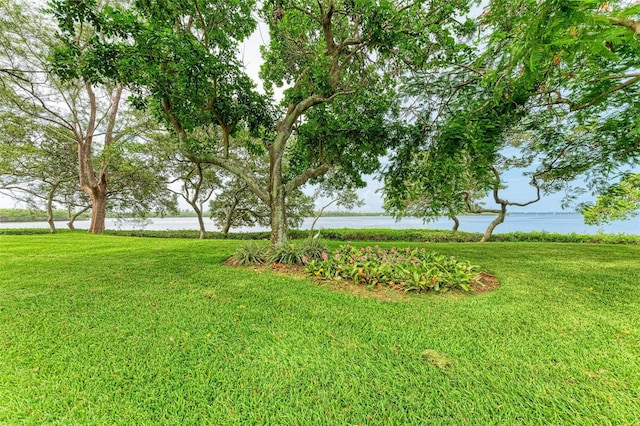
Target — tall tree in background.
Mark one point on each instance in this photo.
(338, 196)
(189, 179)
(235, 205)
(339, 61)
(37, 166)
(198, 182)
(85, 112)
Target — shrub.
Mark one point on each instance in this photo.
(250, 253)
(408, 269)
(286, 253)
(408, 235)
(255, 253)
(313, 249)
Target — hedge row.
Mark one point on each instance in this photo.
(376, 235)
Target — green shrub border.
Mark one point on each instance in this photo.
(372, 235)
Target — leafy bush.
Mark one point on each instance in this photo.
(250, 253)
(408, 269)
(256, 253)
(313, 249)
(286, 253)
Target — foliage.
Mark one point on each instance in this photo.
(620, 201)
(192, 181)
(256, 253)
(376, 236)
(139, 176)
(338, 62)
(313, 248)
(331, 188)
(250, 253)
(236, 205)
(407, 269)
(576, 63)
(70, 116)
(288, 254)
(189, 76)
(553, 81)
(38, 164)
(299, 254)
(380, 235)
(453, 158)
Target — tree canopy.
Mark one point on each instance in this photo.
(443, 95)
(338, 60)
(555, 80)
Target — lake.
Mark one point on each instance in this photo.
(563, 223)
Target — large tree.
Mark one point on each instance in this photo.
(338, 61)
(555, 80)
(236, 205)
(87, 113)
(579, 62)
(37, 165)
(191, 180)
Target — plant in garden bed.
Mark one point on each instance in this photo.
(407, 269)
(253, 253)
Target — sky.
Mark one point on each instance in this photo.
(518, 187)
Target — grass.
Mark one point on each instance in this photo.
(113, 330)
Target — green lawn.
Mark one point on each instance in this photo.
(117, 330)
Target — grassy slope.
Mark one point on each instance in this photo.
(114, 330)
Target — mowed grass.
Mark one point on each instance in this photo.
(107, 330)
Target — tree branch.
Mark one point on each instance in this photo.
(603, 95)
(303, 178)
(627, 23)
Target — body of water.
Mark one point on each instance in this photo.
(563, 223)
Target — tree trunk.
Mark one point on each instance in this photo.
(497, 221)
(52, 225)
(456, 223)
(279, 220)
(227, 225)
(74, 216)
(278, 217)
(95, 182)
(98, 213)
(200, 222)
(228, 218)
(277, 192)
(313, 224)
